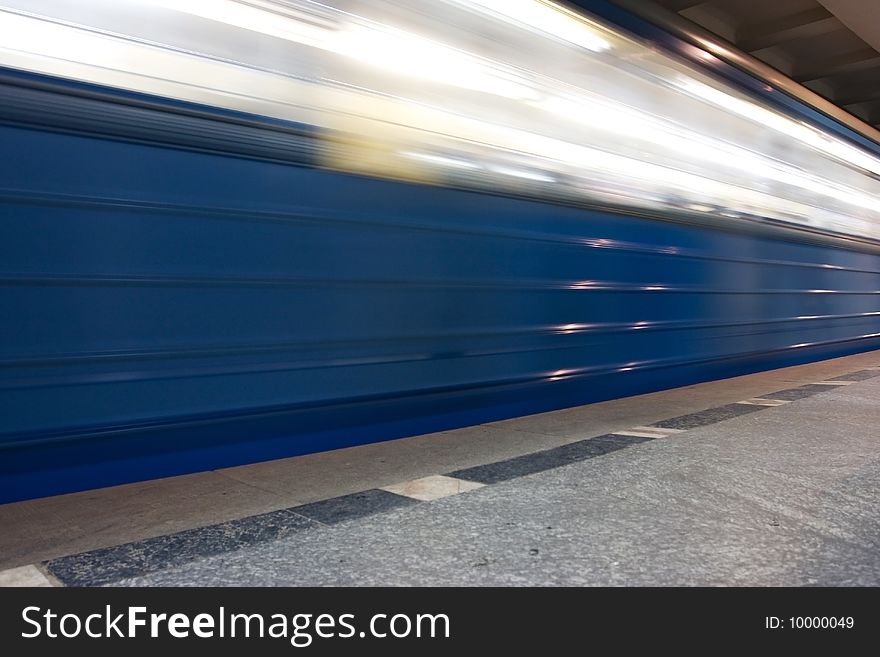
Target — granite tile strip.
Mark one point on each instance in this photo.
(519, 466)
(792, 394)
(833, 383)
(757, 401)
(708, 416)
(434, 487)
(859, 375)
(356, 505)
(107, 565)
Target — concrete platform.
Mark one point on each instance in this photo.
(768, 479)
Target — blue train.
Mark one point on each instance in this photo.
(240, 230)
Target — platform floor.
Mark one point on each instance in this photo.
(767, 479)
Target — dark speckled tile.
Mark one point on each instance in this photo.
(709, 416)
(527, 464)
(798, 393)
(860, 375)
(356, 505)
(110, 564)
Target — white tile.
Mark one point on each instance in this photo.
(757, 401)
(833, 383)
(23, 576)
(640, 434)
(648, 432)
(432, 488)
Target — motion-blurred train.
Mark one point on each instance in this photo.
(235, 230)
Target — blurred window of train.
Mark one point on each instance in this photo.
(519, 96)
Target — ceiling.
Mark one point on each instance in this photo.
(829, 46)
